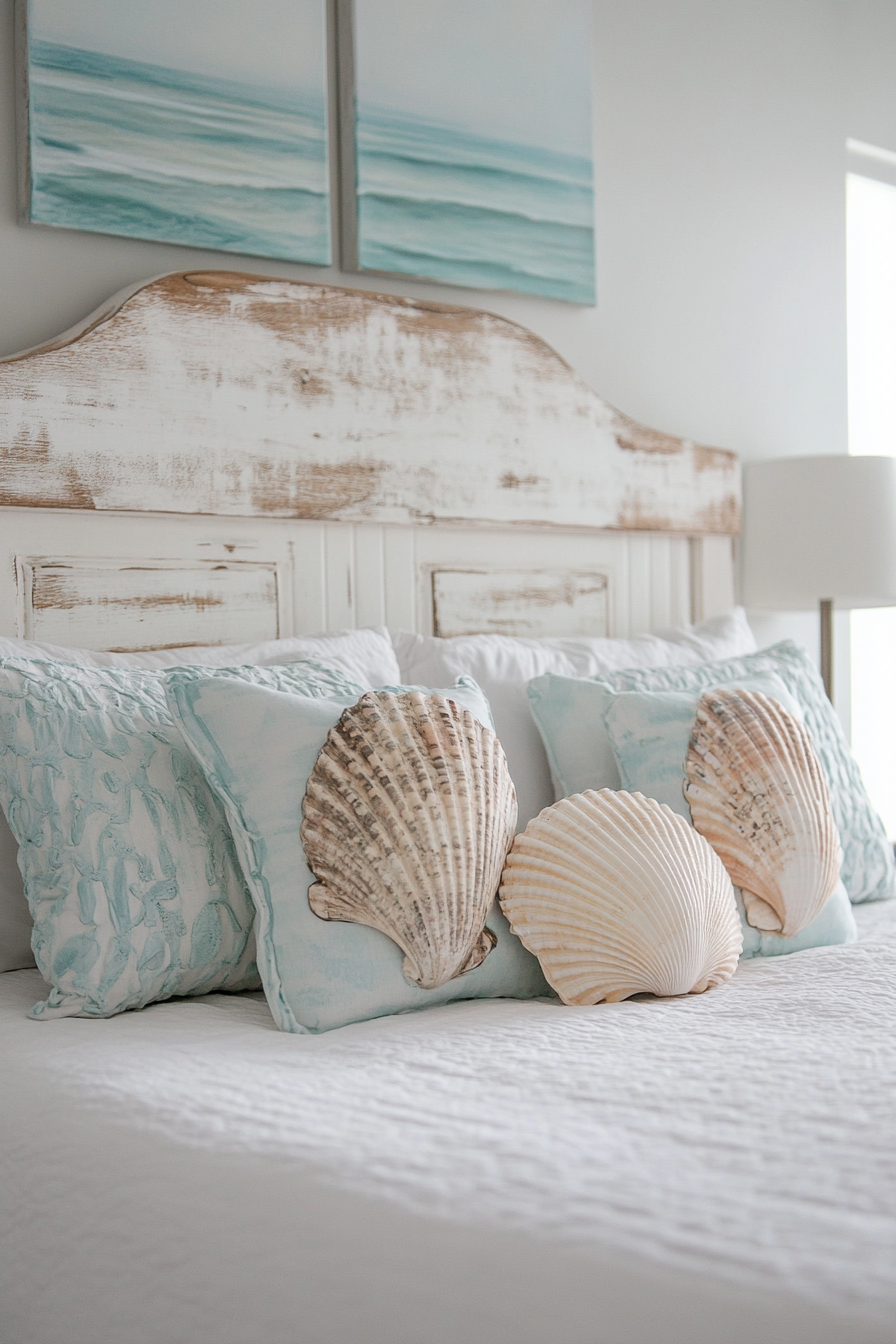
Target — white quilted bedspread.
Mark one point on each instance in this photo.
(721, 1167)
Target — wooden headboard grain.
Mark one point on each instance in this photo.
(259, 397)
(393, 453)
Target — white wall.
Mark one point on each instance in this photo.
(719, 158)
(870, 45)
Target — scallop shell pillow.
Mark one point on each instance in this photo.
(651, 733)
(128, 861)
(617, 895)
(363, 784)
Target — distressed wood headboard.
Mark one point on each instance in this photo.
(214, 456)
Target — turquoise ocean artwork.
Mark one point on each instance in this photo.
(472, 144)
(216, 149)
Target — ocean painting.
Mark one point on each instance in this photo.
(472, 143)
(209, 136)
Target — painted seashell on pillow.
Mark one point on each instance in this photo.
(617, 895)
(756, 790)
(408, 816)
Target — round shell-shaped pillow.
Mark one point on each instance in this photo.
(617, 895)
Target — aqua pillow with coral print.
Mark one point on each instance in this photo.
(128, 861)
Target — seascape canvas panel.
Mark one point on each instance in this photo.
(472, 143)
(195, 123)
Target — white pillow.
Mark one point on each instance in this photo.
(502, 665)
(366, 656)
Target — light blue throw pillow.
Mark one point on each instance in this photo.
(128, 862)
(570, 713)
(257, 749)
(835, 925)
(650, 732)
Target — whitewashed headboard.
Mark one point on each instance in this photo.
(217, 457)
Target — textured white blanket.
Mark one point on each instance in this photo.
(719, 1168)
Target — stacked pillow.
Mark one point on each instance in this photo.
(365, 657)
(591, 738)
(257, 749)
(157, 806)
(631, 730)
(503, 665)
(130, 871)
(137, 893)
(649, 732)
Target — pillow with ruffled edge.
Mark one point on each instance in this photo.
(257, 749)
(128, 861)
(649, 732)
(571, 724)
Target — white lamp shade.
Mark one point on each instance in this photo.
(819, 528)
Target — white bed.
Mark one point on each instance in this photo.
(710, 1168)
(720, 1167)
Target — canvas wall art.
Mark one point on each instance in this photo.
(466, 131)
(195, 123)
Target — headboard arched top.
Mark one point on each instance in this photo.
(228, 394)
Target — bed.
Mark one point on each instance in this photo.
(215, 458)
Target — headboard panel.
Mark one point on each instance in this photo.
(216, 393)
(118, 603)
(217, 457)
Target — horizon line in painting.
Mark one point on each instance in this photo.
(439, 202)
(129, 147)
(467, 169)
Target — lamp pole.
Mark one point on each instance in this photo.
(826, 618)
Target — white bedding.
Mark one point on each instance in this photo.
(718, 1168)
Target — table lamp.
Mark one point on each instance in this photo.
(820, 531)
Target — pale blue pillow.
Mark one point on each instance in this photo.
(649, 732)
(835, 925)
(130, 872)
(257, 749)
(570, 712)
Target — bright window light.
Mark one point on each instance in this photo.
(873, 712)
(871, 364)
